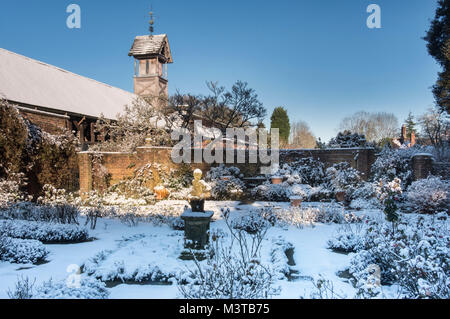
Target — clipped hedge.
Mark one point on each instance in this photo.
(44, 232)
(22, 251)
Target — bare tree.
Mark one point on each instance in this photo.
(374, 126)
(139, 121)
(435, 126)
(301, 136)
(182, 109)
(235, 108)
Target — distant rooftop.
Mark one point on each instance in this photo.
(32, 82)
(147, 45)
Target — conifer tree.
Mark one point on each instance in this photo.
(280, 120)
(410, 125)
(438, 38)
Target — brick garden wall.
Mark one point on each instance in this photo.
(123, 165)
(50, 123)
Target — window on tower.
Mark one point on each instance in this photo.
(147, 67)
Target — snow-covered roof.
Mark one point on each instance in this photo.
(32, 82)
(145, 45)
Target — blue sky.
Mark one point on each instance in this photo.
(317, 58)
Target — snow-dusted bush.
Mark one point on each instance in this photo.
(89, 288)
(348, 238)
(21, 251)
(136, 187)
(11, 190)
(231, 188)
(430, 195)
(389, 195)
(414, 255)
(271, 192)
(348, 139)
(157, 266)
(44, 232)
(364, 197)
(304, 171)
(342, 177)
(309, 216)
(255, 221)
(394, 163)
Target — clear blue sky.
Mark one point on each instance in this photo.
(317, 58)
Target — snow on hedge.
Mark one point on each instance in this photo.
(44, 232)
(279, 259)
(22, 251)
(139, 258)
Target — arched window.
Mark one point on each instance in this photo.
(147, 67)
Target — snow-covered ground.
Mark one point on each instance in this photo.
(139, 251)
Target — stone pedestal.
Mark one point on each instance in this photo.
(196, 228)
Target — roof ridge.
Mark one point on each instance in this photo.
(62, 70)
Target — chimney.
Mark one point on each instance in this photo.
(413, 138)
(403, 137)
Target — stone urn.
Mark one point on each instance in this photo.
(277, 179)
(296, 201)
(161, 192)
(340, 196)
(196, 228)
(196, 219)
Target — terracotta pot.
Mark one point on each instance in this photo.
(296, 201)
(277, 180)
(340, 196)
(161, 192)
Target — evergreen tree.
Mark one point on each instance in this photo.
(280, 120)
(438, 38)
(410, 125)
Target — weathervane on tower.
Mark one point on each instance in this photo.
(152, 22)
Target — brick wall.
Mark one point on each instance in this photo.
(122, 165)
(49, 123)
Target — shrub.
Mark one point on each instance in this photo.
(43, 158)
(271, 192)
(231, 189)
(57, 161)
(11, 190)
(90, 288)
(342, 177)
(364, 197)
(349, 238)
(430, 195)
(414, 255)
(392, 164)
(305, 170)
(44, 232)
(308, 216)
(23, 289)
(21, 251)
(348, 139)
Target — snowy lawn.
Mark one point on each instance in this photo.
(129, 258)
